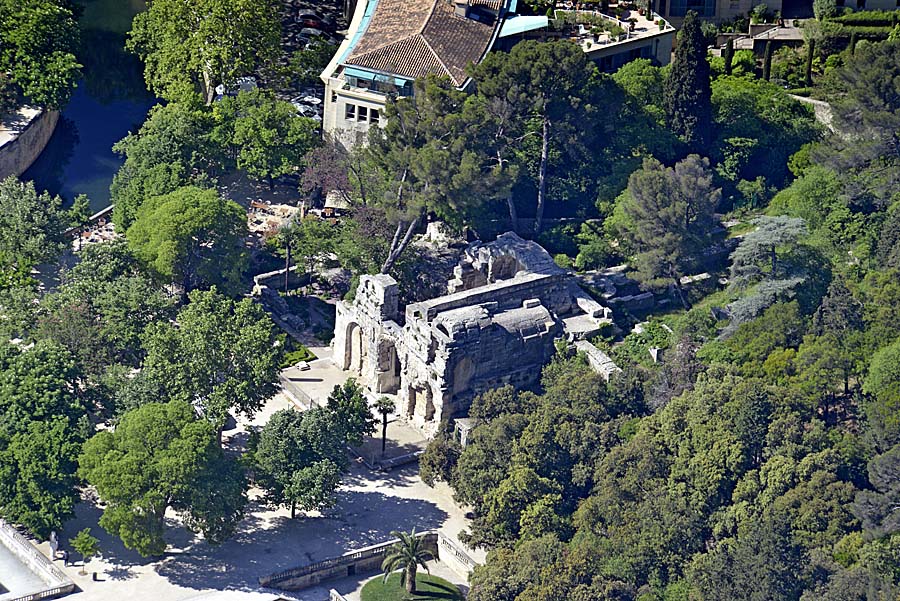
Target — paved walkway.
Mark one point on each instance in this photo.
(370, 505)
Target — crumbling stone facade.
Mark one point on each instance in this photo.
(507, 304)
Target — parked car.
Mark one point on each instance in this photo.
(308, 36)
(308, 19)
(307, 99)
(304, 110)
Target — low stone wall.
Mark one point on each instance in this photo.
(364, 560)
(23, 138)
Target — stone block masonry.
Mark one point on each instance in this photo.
(496, 326)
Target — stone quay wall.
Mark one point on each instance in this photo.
(23, 137)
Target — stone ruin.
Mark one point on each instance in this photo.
(507, 304)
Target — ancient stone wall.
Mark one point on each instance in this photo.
(497, 326)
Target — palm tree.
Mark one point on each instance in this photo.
(406, 554)
(385, 407)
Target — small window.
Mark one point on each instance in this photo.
(350, 112)
(334, 96)
(375, 116)
(363, 113)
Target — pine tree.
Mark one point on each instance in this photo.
(688, 92)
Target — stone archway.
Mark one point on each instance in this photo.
(388, 368)
(410, 401)
(353, 358)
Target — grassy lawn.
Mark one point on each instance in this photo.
(427, 587)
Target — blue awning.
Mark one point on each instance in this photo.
(373, 76)
(521, 24)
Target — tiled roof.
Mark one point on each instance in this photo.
(413, 38)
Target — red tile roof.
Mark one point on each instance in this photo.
(413, 38)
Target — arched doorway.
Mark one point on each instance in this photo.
(354, 346)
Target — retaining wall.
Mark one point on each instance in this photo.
(22, 139)
(366, 560)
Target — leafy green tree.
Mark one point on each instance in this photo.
(762, 563)
(38, 42)
(31, 226)
(670, 213)
(42, 425)
(767, 61)
(824, 9)
(192, 237)
(542, 89)
(182, 46)
(438, 462)
(160, 456)
(728, 55)
(509, 506)
(758, 126)
(86, 545)
(304, 66)
(220, 355)
(174, 147)
(508, 572)
(407, 554)
(486, 458)
(37, 467)
(350, 408)
(882, 384)
(269, 138)
(878, 509)
(687, 90)
(113, 298)
(299, 459)
(308, 239)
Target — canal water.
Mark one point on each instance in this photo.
(110, 101)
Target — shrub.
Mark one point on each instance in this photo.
(870, 17)
(295, 356)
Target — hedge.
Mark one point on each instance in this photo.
(884, 18)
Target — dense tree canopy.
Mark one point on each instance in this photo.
(42, 426)
(38, 41)
(220, 355)
(161, 456)
(193, 238)
(182, 45)
(687, 89)
(31, 228)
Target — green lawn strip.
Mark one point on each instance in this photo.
(427, 587)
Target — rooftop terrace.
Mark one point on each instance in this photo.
(593, 30)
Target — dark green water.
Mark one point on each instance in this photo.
(110, 101)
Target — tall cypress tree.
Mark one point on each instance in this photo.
(728, 55)
(688, 91)
(767, 61)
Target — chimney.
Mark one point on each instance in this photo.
(462, 7)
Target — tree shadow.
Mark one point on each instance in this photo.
(120, 573)
(267, 543)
